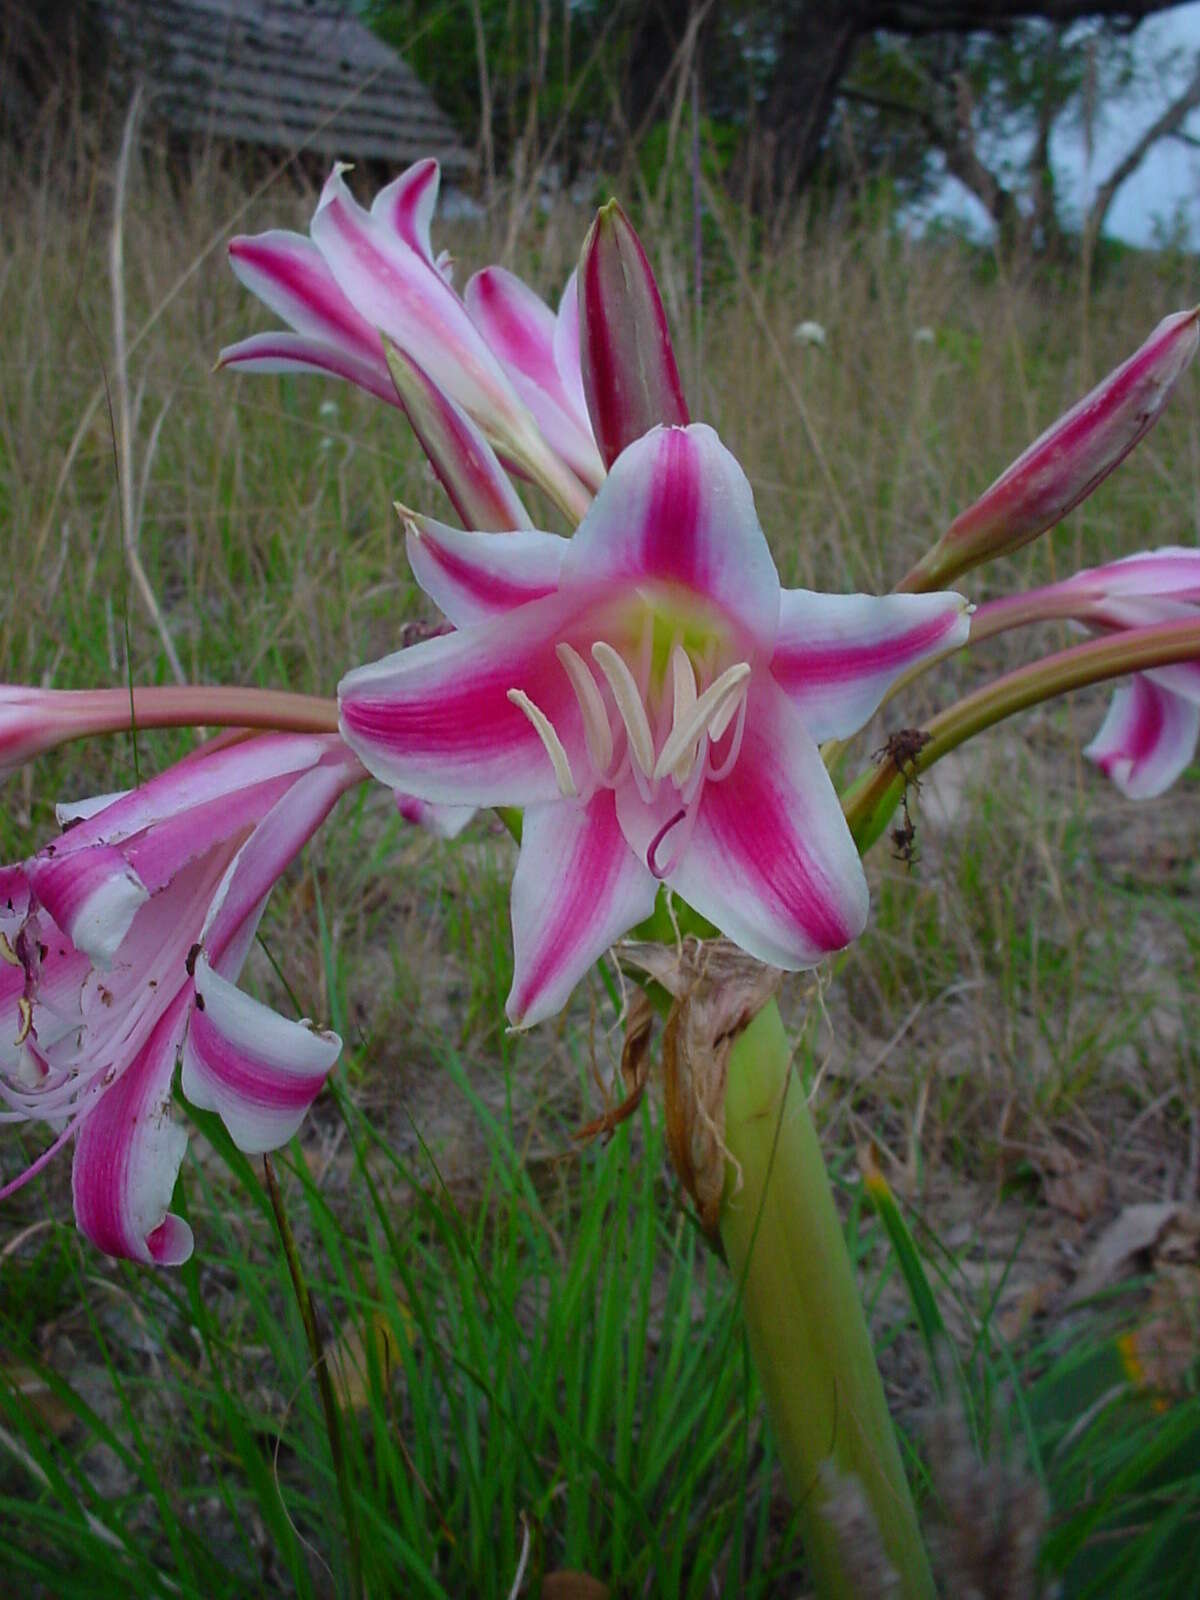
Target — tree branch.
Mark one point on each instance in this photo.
(1165, 126)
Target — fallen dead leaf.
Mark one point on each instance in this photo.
(573, 1586)
(1149, 1229)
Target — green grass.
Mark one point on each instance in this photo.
(549, 1343)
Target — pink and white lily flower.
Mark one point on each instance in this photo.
(654, 699)
(362, 275)
(1152, 728)
(122, 943)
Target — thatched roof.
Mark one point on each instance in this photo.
(279, 73)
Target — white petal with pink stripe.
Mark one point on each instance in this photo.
(257, 1070)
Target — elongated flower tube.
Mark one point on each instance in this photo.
(540, 351)
(1068, 461)
(122, 942)
(362, 275)
(654, 700)
(629, 373)
(1153, 725)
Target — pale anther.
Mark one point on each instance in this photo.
(7, 953)
(683, 676)
(26, 1013)
(706, 710)
(554, 748)
(629, 704)
(595, 718)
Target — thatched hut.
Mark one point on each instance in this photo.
(278, 75)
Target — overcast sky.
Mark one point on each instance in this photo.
(1168, 181)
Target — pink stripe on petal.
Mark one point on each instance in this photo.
(296, 353)
(128, 1153)
(471, 577)
(288, 273)
(257, 1070)
(576, 889)
(1147, 739)
(435, 720)
(520, 328)
(837, 655)
(93, 895)
(770, 860)
(676, 509)
(407, 205)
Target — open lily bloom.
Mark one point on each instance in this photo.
(365, 274)
(122, 942)
(1153, 724)
(653, 699)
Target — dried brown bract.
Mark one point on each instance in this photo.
(717, 991)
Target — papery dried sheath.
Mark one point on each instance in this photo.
(1071, 458)
(630, 377)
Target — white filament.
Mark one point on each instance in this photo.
(629, 704)
(554, 748)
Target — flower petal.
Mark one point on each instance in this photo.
(770, 860)
(471, 577)
(577, 887)
(288, 273)
(838, 654)
(407, 205)
(127, 1156)
(205, 775)
(676, 508)
(435, 720)
(92, 894)
(395, 291)
(1170, 573)
(1147, 739)
(469, 470)
(275, 843)
(295, 352)
(446, 822)
(566, 345)
(520, 328)
(257, 1070)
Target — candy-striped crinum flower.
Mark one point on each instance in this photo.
(122, 943)
(1153, 724)
(653, 699)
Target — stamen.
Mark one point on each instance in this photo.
(652, 850)
(717, 774)
(595, 718)
(7, 953)
(684, 680)
(554, 748)
(629, 704)
(695, 723)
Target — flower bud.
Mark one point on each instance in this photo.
(1069, 460)
(629, 373)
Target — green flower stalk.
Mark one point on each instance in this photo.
(808, 1335)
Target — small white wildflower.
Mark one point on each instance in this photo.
(924, 336)
(810, 333)
(329, 408)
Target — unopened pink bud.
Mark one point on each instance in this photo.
(458, 452)
(630, 377)
(1069, 460)
(33, 721)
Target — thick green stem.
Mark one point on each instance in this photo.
(805, 1319)
(875, 794)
